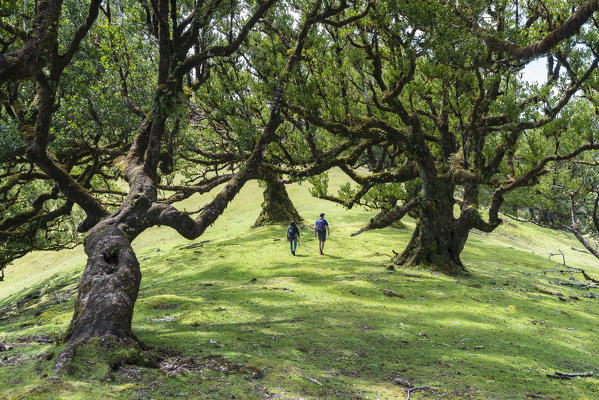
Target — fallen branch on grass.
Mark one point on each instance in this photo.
(592, 283)
(549, 292)
(391, 293)
(581, 250)
(580, 285)
(560, 271)
(313, 381)
(580, 270)
(411, 390)
(194, 245)
(557, 254)
(565, 375)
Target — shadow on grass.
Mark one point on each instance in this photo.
(332, 319)
(337, 324)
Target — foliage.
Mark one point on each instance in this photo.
(445, 112)
(320, 185)
(113, 113)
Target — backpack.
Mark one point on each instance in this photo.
(291, 233)
(320, 226)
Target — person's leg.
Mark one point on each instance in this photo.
(293, 246)
(321, 239)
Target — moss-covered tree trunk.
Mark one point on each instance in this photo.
(108, 288)
(439, 237)
(277, 207)
(436, 243)
(106, 297)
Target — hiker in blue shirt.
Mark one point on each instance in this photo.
(321, 227)
(293, 236)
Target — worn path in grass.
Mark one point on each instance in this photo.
(238, 317)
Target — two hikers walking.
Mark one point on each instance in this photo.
(321, 229)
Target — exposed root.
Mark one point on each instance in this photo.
(101, 355)
(431, 261)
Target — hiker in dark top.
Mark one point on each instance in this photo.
(293, 236)
(321, 227)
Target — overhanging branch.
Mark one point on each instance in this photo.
(386, 218)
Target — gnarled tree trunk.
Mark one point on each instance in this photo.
(108, 288)
(277, 207)
(106, 297)
(436, 244)
(439, 238)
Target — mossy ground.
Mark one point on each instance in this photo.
(316, 327)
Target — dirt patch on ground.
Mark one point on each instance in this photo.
(42, 339)
(165, 306)
(172, 363)
(131, 373)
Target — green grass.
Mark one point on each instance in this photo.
(241, 303)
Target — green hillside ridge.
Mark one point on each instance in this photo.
(238, 317)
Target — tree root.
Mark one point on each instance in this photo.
(430, 261)
(99, 356)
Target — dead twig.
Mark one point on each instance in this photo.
(580, 285)
(557, 254)
(412, 390)
(582, 271)
(566, 375)
(313, 381)
(581, 250)
(191, 246)
(549, 292)
(579, 270)
(546, 271)
(391, 293)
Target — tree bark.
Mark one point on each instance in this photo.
(108, 288)
(277, 207)
(106, 297)
(438, 239)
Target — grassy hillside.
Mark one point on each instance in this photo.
(238, 317)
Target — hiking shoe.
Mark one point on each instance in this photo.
(293, 252)
(321, 253)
